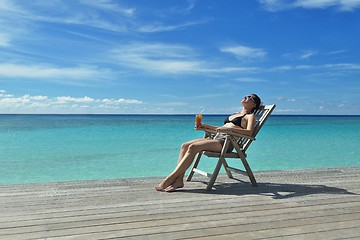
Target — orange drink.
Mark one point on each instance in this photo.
(198, 119)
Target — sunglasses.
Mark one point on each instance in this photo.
(251, 97)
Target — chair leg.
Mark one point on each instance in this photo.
(249, 171)
(220, 162)
(214, 175)
(191, 174)
(228, 173)
(246, 164)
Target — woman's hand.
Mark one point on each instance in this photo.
(199, 127)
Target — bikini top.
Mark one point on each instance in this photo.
(236, 121)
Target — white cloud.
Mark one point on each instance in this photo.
(336, 52)
(160, 27)
(66, 99)
(82, 12)
(38, 98)
(315, 3)
(51, 73)
(349, 5)
(157, 57)
(109, 5)
(10, 6)
(119, 101)
(160, 58)
(5, 95)
(337, 66)
(244, 52)
(343, 66)
(308, 54)
(274, 5)
(62, 104)
(301, 55)
(341, 5)
(12, 23)
(7, 101)
(109, 15)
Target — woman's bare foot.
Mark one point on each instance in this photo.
(158, 188)
(164, 184)
(179, 183)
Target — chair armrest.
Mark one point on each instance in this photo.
(235, 134)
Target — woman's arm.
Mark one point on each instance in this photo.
(206, 127)
(249, 130)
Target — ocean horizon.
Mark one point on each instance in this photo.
(177, 114)
(69, 147)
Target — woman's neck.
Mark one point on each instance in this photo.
(245, 111)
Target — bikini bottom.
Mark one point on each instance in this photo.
(221, 137)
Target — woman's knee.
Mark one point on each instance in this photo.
(185, 146)
(192, 148)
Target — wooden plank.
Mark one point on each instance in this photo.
(297, 204)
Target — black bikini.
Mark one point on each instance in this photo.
(236, 121)
(220, 137)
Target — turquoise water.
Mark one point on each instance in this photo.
(52, 148)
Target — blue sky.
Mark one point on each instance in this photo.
(161, 56)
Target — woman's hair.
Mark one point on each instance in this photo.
(257, 101)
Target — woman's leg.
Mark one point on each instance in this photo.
(179, 181)
(185, 146)
(183, 149)
(186, 160)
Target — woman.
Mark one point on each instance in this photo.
(242, 122)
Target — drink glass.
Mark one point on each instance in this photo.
(198, 119)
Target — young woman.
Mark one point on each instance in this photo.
(242, 122)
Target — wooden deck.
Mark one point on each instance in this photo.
(301, 204)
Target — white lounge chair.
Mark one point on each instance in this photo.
(240, 142)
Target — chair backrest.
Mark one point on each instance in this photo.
(262, 114)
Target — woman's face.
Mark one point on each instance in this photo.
(248, 100)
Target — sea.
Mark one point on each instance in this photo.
(57, 148)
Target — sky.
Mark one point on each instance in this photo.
(179, 57)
